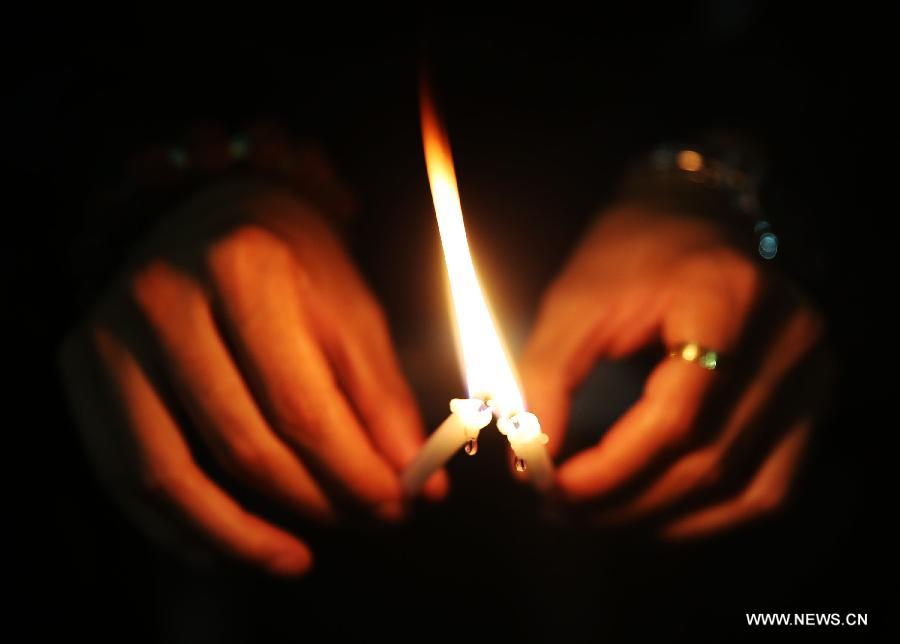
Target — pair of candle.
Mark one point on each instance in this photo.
(468, 416)
(488, 369)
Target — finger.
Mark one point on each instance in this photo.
(700, 307)
(701, 469)
(214, 393)
(260, 292)
(554, 358)
(368, 371)
(765, 494)
(172, 478)
(573, 331)
(353, 328)
(355, 333)
(660, 421)
(108, 450)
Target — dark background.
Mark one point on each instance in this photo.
(543, 118)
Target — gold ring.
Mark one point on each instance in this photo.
(693, 352)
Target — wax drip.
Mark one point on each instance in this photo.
(471, 446)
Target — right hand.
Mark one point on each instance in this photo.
(243, 324)
(702, 450)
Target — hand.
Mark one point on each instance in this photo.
(243, 325)
(701, 449)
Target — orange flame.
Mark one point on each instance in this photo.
(488, 371)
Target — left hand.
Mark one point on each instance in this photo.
(242, 331)
(702, 449)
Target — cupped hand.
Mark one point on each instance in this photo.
(702, 449)
(242, 327)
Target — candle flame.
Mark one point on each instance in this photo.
(488, 371)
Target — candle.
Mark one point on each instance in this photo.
(461, 428)
(493, 389)
(527, 441)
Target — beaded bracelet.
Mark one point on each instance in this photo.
(154, 181)
(673, 166)
(207, 153)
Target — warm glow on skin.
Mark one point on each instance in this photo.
(690, 161)
(487, 368)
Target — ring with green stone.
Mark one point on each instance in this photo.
(693, 352)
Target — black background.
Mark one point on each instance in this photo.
(542, 117)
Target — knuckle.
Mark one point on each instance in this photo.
(246, 247)
(157, 286)
(745, 273)
(703, 468)
(254, 238)
(725, 268)
(300, 414)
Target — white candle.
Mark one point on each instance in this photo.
(467, 418)
(527, 441)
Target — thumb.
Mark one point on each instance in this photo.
(559, 354)
(575, 328)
